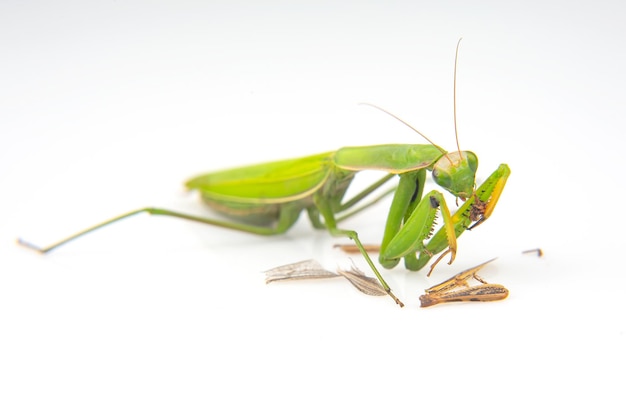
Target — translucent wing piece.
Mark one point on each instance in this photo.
(309, 269)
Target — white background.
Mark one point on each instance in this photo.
(109, 106)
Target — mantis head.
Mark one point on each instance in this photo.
(456, 172)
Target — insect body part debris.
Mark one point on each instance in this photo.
(457, 289)
(453, 289)
(311, 269)
(483, 292)
(537, 251)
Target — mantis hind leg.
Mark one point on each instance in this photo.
(287, 217)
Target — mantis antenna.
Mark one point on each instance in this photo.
(443, 151)
(456, 131)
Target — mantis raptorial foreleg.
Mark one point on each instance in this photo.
(411, 220)
(473, 212)
(408, 194)
(410, 238)
(476, 209)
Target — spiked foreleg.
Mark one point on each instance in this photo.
(407, 196)
(472, 213)
(409, 240)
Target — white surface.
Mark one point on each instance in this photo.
(106, 107)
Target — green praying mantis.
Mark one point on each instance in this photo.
(268, 198)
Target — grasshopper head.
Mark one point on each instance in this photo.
(456, 172)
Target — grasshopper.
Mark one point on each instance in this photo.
(268, 198)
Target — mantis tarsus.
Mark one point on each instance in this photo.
(267, 198)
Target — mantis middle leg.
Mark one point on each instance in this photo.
(325, 209)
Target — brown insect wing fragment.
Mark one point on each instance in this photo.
(311, 269)
(363, 283)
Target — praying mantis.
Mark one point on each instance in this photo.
(268, 198)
